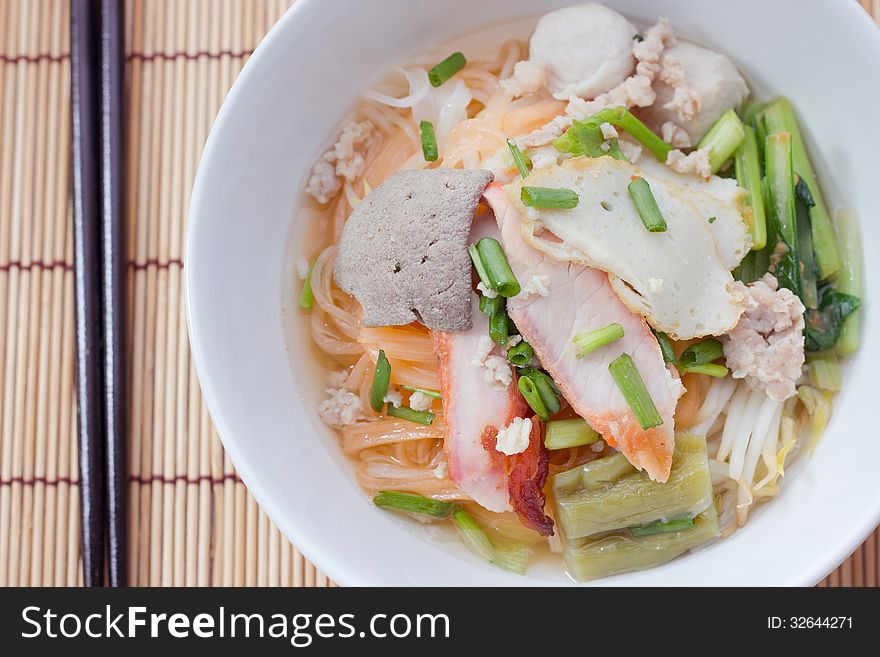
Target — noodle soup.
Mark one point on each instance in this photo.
(612, 398)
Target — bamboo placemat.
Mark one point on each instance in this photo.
(192, 520)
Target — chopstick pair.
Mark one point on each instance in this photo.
(97, 85)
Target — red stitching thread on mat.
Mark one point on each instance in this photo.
(177, 479)
(35, 264)
(34, 59)
(30, 481)
(143, 480)
(154, 262)
(199, 54)
(66, 266)
(133, 56)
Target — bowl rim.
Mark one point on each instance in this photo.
(310, 546)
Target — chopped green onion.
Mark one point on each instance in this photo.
(722, 140)
(307, 297)
(493, 263)
(446, 69)
(632, 387)
(589, 341)
(491, 305)
(622, 118)
(646, 205)
(429, 141)
(709, 369)
(569, 433)
(747, 165)
(518, 158)
(425, 391)
(380, 382)
(520, 354)
(481, 271)
(779, 117)
(712, 220)
(529, 390)
(545, 387)
(498, 327)
(549, 198)
(849, 278)
(825, 370)
(662, 527)
(665, 346)
(413, 503)
(410, 415)
(701, 353)
(504, 554)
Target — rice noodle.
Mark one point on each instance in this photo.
(418, 87)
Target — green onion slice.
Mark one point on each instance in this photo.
(520, 354)
(549, 198)
(646, 205)
(429, 141)
(540, 392)
(446, 69)
(632, 387)
(662, 527)
(589, 341)
(490, 306)
(529, 390)
(481, 271)
(413, 503)
(425, 391)
(406, 413)
(518, 158)
(710, 369)
(307, 297)
(493, 263)
(701, 353)
(569, 433)
(665, 346)
(380, 382)
(498, 326)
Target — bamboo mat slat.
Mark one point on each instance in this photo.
(192, 520)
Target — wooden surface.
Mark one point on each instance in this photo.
(192, 520)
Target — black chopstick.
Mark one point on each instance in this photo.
(113, 286)
(84, 21)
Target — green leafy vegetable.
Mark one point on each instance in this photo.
(803, 206)
(585, 138)
(823, 325)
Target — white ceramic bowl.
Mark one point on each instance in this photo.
(251, 347)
